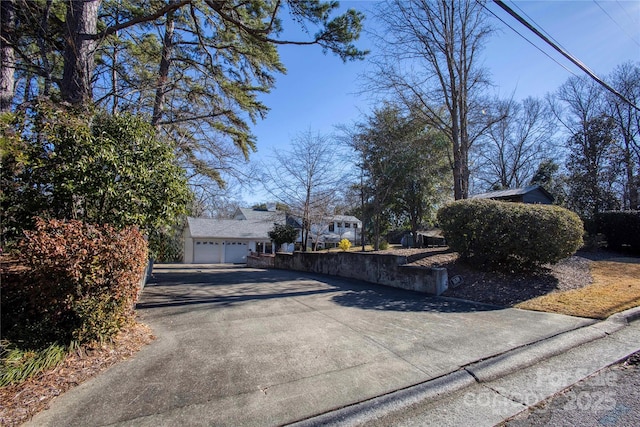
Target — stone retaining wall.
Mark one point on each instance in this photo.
(260, 261)
(382, 269)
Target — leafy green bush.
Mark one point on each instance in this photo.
(282, 234)
(510, 236)
(80, 284)
(99, 168)
(620, 228)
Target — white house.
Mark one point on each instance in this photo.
(330, 231)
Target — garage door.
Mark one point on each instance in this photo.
(207, 252)
(235, 252)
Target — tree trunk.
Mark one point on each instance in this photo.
(632, 182)
(7, 54)
(44, 51)
(163, 73)
(82, 20)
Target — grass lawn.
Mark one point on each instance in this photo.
(615, 287)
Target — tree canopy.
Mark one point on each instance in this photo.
(194, 67)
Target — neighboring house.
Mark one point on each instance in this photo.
(229, 241)
(330, 231)
(531, 194)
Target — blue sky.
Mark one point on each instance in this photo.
(320, 91)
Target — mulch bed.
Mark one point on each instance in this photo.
(21, 402)
(508, 289)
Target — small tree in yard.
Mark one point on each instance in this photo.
(282, 234)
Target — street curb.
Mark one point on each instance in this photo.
(476, 373)
(369, 410)
(626, 316)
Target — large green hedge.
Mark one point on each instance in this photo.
(510, 236)
(620, 228)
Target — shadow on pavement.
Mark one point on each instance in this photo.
(226, 287)
(169, 300)
(373, 299)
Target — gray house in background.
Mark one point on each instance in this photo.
(532, 194)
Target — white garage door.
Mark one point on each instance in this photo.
(235, 252)
(207, 252)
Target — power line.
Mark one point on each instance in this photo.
(616, 22)
(536, 24)
(564, 53)
(527, 40)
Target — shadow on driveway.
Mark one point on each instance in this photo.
(174, 287)
(376, 299)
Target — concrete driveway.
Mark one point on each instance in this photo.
(238, 346)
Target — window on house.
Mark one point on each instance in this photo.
(339, 225)
(355, 225)
(347, 225)
(331, 227)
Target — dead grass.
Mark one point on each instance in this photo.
(615, 287)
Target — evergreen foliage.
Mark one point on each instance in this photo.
(98, 168)
(621, 228)
(282, 234)
(510, 236)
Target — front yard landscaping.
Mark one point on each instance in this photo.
(587, 284)
(615, 287)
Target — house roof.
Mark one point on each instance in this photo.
(345, 218)
(259, 215)
(512, 192)
(203, 228)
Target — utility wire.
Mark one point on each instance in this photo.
(527, 40)
(564, 53)
(537, 25)
(616, 22)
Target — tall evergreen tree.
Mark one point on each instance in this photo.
(198, 82)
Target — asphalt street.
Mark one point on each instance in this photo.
(611, 397)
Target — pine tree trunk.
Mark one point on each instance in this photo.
(163, 73)
(82, 20)
(7, 54)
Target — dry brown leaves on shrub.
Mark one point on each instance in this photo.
(22, 401)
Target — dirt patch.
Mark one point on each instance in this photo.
(22, 401)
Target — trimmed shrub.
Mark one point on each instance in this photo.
(620, 228)
(510, 236)
(80, 283)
